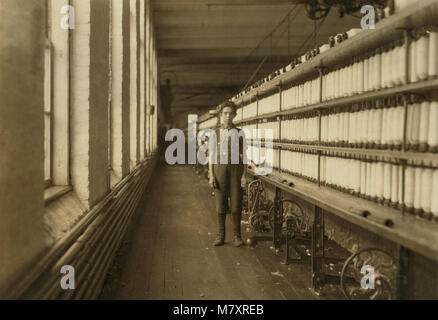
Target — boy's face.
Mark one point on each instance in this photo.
(228, 114)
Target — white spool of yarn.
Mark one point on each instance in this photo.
(366, 71)
(418, 188)
(434, 202)
(346, 126)
(368, 179)
(387, 181)
(391, 125)
(392, 62)
(410, 123)
(377, 70)
(374, 123)
(395, 183)
(400, 125)
(368, 123)
(339, 128)
(370, 75)
(395, 76)
(422, 57)
(413, 61)
(387, 126)
(372, 68)
(360, 77)
(433, 54)
(363, 177)
(409, 187)
(402, 67)
(415, 133)
(385, 69)
(380, 180)
(433, 126)
(358, 177)
(352, 131)
(374, 187)
(360, 127)
(426, 190)
(351, 79)
(400, 185)
(379, 126)
(424, 124)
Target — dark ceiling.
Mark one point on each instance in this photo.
(207, 48)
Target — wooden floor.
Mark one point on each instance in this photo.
(168, 252)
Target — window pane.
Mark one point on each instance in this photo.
(47, 110)
(47, 79)
(47, 130)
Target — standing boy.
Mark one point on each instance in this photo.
(227, 174)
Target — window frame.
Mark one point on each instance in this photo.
(58, 62)
(48, 107)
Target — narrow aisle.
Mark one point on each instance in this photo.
(168, 253)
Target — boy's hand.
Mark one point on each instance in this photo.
(211, 181)
(243, 182)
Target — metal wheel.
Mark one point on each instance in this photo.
(293, 211)
(256, 195)
(364, 265)
(315, 10)
(256, 199)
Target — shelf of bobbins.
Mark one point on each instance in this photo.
(400, 216)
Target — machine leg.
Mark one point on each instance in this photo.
(278, 218)
(318, 251)
(404, 274)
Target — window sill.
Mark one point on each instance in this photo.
(55, 192)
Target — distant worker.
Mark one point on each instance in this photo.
(166, 99)
(227, 177)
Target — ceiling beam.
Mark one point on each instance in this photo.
(189, 90)
(230, 32)
(245, 17)
(171, 61)
(229, 52)
(237, 18)
(228, 2)
(214, 67)
(228, 79)
(165, 32)
(232, 43)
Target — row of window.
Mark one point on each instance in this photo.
(59, 41)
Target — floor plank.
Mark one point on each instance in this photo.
(168, 253)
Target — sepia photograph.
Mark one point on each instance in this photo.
(218, 157)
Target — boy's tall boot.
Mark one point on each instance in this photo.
(237, 239)
(220, 238)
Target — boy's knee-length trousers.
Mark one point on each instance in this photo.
(228, 181)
